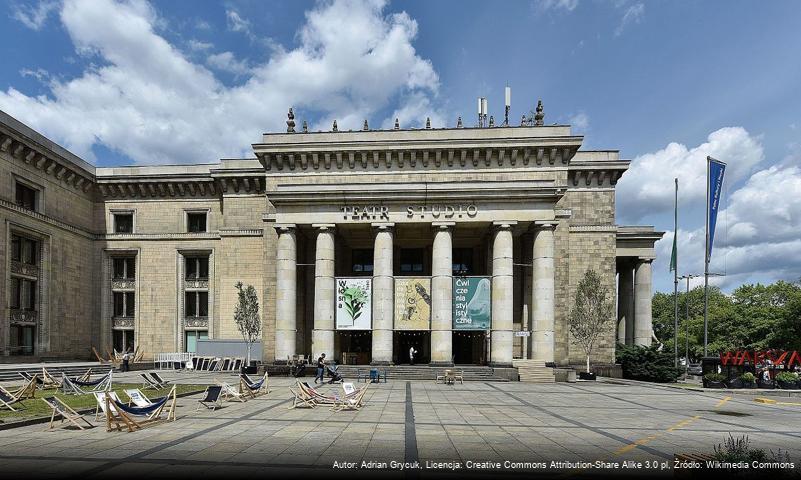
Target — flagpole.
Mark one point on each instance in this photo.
(706, 261)
(676, 277)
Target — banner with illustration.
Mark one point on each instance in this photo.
(354, 303)
(412, 303)
(472, 307)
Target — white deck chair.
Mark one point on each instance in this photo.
(138, 398)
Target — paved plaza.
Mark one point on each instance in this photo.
(411, 422)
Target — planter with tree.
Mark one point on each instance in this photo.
(591, 316)
(248, 321)
(748, 380)
(787, 380)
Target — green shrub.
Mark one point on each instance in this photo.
(715, 377)
(748, 377)
(788, 377)
(739, 450)
(646, 363)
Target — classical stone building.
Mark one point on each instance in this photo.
(453, 242)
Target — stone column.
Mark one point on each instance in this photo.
(642, 302)
(502, 295)
(383, 294)
(543, 294)
(286, 285)
(625, 305)
(442, 295)
(324, 292)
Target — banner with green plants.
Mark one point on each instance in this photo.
(412, 303)
(354, 303)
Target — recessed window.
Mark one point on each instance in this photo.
(24, 250)
(197, 304)
(411, 260)
(125, 268)
(123, 223)
(196, 222)
(124, 304)
(197, 268)
(22, 339)
(362, 260)
(462, 261)
(26, 196)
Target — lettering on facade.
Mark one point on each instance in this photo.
(381, 212)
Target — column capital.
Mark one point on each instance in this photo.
(382, 226)
(645, 260)
(442, 225)
(544, 225)
(324, 226)
(504, 224)
(284, 227)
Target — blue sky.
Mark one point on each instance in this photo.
(667, 83)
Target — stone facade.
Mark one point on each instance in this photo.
(149, 256)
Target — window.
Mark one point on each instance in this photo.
(24, 250)
(197, 304)
(123, 223)
(411, 260)
(26, 197)
(192, 337)
(197, 268)
(124, 340)
(125, 268)
(22, 338)
(462, 261)
(23, 294)
(124, 304)
(362, 260)
(196, 222)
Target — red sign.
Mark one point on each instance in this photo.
(756, 357)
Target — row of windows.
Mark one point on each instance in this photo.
(196, 222)
(196, 304)
(196, 268)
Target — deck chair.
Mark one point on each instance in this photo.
(49, 380)
(317, 397)
(87, 375)
(119, 415)
(35, 378)
(100, 400)
(352, 400)
(66, 412)
(99, 385)
(301, 398)
(28, 389)
(230, 393)
(7, 399)
(137, 397)
(157, 378)
(248, 386)
(211, 398)
(69, 388)
(149, 383)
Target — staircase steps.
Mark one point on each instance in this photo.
(534, 371)
(472, 373)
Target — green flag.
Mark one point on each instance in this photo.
(674, 253)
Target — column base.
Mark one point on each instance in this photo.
(440, 364)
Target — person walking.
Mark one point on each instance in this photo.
(125, 361)
(412, 351)
(320, 369)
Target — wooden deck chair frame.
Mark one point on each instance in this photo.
(28, 389)
(158, 379)
(301, 399)
(13, 399)
(211, 404)
(69, 388)
(134, 392)
(244, 389)
(49, 380)
(66, 412)
(148, 383)
(28, 377)
(87, 375)
(229, 393)
(352, 402)
(100, 408)
(121, 419)
(318, 397)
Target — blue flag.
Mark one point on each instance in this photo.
(715, 178)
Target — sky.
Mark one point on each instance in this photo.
(665, 82)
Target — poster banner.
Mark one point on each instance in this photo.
(354, 303)
(715, 172)
(412, 303)
(472, 307)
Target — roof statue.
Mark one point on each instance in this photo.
(290, 123)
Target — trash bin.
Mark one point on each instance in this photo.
(374, 375)
(571, 376)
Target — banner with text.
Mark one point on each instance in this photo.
(354, 303)
(412, 303)
(716, 171)
(472, 306)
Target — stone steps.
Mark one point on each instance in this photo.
(8, 372)
(534, 371)
(423, 372)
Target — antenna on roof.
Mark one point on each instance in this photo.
(482, 111)
(508, 95)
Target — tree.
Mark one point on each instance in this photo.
(592, 313)
(246, 316)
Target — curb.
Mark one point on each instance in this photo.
(38, 420)
(748, 392)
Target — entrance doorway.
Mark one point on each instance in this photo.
(123, 340)
(470, 347)
(403, 341)
(353, 348)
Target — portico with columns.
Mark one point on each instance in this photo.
(421, 218)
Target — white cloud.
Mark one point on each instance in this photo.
(647, 187)
(633, 14)
(199, 46)
(34, 17)
(227, 62)
(238, 24)
(580, 122)
(566, 5)
(151, 103)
